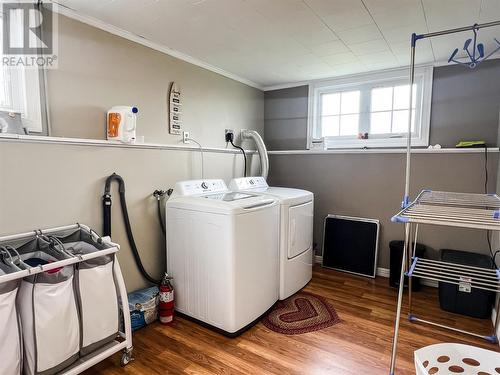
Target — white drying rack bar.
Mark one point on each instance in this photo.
(465, 210)
(459, 199)
(124, 342)
(457, 274)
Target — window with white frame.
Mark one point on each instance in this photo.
(20, 90)
(371, 110)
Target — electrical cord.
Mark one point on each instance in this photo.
(485, 169)
(488, 239)
(244, 156)
(201, 152)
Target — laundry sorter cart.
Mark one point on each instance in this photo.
(61, 292)
(438, 208)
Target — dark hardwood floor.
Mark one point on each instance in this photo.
(359, 345)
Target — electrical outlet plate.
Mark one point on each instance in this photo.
(185, 137)
(228, 131)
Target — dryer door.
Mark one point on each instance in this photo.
(300, 229)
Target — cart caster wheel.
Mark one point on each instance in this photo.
(126, 358)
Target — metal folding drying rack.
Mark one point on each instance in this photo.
(124, 341)
(463, 210)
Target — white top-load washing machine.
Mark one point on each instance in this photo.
(222, 252)
(296, 231)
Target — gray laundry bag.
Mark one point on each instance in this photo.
(96, 291)
(10, 329)
(49, 312)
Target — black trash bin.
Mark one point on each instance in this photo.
(477, 303)
(396, 255)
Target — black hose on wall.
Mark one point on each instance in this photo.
(106, 205)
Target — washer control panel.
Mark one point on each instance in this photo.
(200, 187)
(247, 183)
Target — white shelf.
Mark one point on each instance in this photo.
(440, 151)
(114, 144)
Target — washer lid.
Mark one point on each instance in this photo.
(259, 185)
(289, 195)
(228, 203)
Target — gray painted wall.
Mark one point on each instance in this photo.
(371, 185)
(285, 114)
(43, 185)
(97, 70)
(465, 106)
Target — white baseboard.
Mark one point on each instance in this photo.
(383, 272)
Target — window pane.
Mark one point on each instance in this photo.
(349, 124)
(350, 102)
(330, 104)
(380, 123)
(330, 126)
(400, 121)
(402, 96)
(382, 99)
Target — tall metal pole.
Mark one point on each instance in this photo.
(406, 200)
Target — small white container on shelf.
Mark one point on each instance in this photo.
(449, 358)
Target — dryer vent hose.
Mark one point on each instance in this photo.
(106, 205)
(261, 148)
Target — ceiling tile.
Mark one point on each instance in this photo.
(281, 41)
(305, 60)
(402, 34)
(360, 34)
(315, 36)
(446, 14)
(328, 7)
(356, 16)
(379, 58)
(330, 48)
(372, 46)
(341, 58)
(490, 11)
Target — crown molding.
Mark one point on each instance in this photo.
(94, 22)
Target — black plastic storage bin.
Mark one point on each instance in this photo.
(477, 303)
(396, 255)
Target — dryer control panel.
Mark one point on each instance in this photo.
(200, 187)
(247, 183)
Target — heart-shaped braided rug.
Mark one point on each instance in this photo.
(301, 313)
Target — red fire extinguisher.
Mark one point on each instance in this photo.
(166, 305)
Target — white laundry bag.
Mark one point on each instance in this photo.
(50, 324)
(49, 312)
(96, 292)
(10, 335)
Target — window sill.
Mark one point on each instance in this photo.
(387, 143)
(387, 151)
